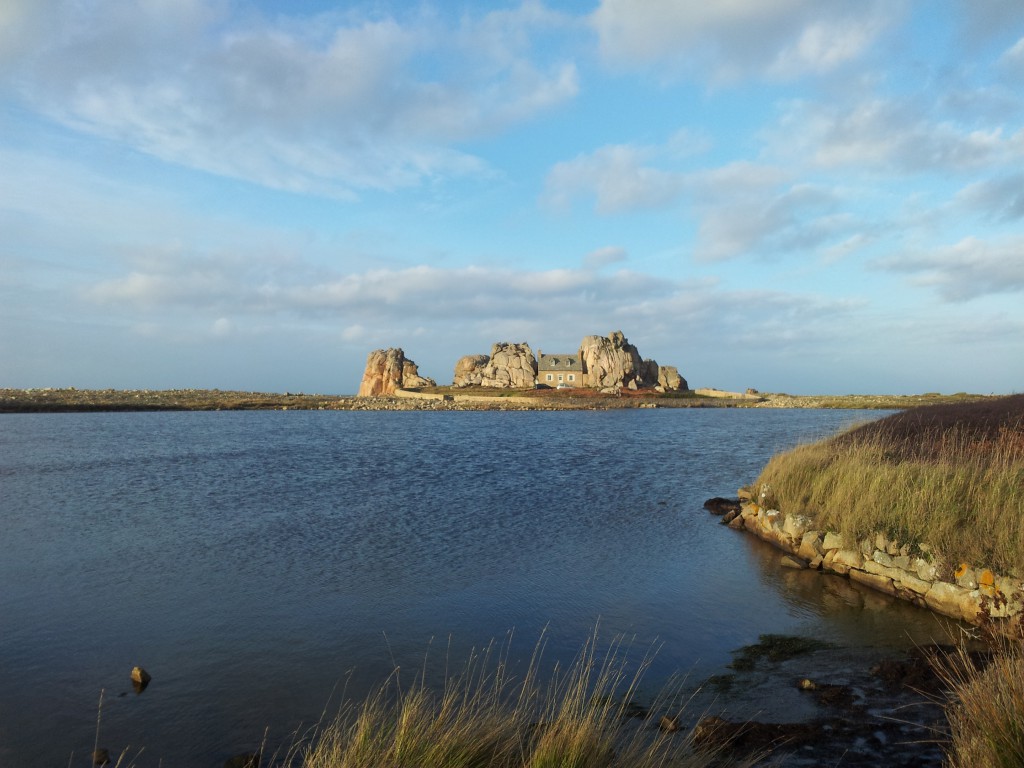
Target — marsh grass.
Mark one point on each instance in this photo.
(985, 710)
(951, 477)
(580, 716)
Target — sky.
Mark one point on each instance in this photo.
(802, 196)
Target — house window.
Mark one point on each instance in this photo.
(549, 377)
(572, 377)
(559, 377)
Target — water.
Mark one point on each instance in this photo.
(256, 563)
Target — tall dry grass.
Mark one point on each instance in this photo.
(985, 710)
(489, 717)
(953, 483)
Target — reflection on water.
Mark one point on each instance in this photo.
(256, 562)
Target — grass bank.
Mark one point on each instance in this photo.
(946, 476)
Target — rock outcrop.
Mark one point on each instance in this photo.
(510, 366)
(670, 380)
(611, 361)
(388, 370)
(469, 370)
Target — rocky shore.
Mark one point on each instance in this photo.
(974, 594)
(70, 399)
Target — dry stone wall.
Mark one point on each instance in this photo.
(918, 575)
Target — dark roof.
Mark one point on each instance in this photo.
(568, 362)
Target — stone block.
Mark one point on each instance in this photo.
(848, 557)
(875, 581)
(925, 570)
(951, 600)
(882, 558)
(876, 568)
(810, 545)
(832, 541)
(965, 577)
(902, 562)
(796, 526)
(914, 584)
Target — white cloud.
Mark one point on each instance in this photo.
(616, 177)
(331, 106)
(969, 269)
(602, 257)
(735, 38)
(1012, 59)
(747, 209)
(883, 134)
(1000, 198)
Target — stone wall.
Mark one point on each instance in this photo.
(917, 575)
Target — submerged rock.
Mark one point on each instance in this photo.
(721, 506)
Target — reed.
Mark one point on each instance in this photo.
(951, 478)
(985, 710)
(489, 717)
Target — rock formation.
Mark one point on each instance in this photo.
(511, 365)
(670, 380)
(612, 362)
(469, 370)
(388, 370)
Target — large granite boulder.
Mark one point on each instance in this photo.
(670, 380)
(611, 361)
(469, 370)
(388, 370)
(510, 366)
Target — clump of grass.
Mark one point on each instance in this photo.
(986, 709)
(951, 477)
(488, 717)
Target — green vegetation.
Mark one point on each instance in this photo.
(948, 476)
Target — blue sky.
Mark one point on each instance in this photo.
(805, 196)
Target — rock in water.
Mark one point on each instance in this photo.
(720, 506)
(388, 370)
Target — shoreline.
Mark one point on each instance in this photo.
(72, 400)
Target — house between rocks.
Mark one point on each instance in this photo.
(564, 369)
(607, 363)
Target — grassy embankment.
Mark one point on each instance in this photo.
(948, 477)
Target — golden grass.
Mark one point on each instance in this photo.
(487, 717)
(986, 709)
(953, 486)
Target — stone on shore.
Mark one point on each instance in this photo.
(388, 370)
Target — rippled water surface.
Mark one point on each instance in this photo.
(255, 562)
